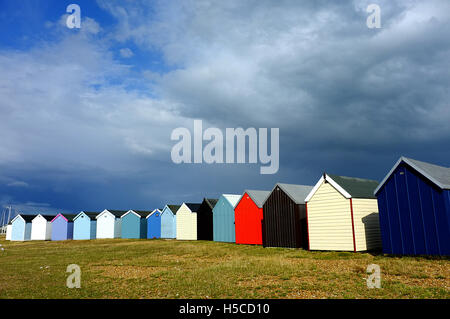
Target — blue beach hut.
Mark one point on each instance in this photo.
(85, 225)
(21, 227)
(414, 209)
(154, 224)
(223, 218)
(169, 221)
(134, 224)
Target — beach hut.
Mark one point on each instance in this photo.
(134, 224)
(342, 214)
(414, 205)
(205, 219)
(223, 218)
(154, 224)
(85, 226)
(169, 221)
(41, 227)
(284, 212)
(8, 231)
(21, 227)
(62, 227)
(187, 221)
(248, 216)
(109, 223)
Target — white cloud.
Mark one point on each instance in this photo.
(126, 53)
(17, 184)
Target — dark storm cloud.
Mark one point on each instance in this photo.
(347, 99)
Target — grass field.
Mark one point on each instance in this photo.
(123, 268)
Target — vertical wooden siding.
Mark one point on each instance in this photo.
(414, 215)
(284, 221)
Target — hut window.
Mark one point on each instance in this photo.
(402, 173)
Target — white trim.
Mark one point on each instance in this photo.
(18, 215)
(226, 197)
(79, 215)
(327, 178)
(186, 207)
(39, 215)
(104, 212)
(314, 190)
(405, 160)
(182, 206)
(130, 211)
(155, 210)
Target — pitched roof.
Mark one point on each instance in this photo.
(116, 213)
(174, 208)
(142, 213)
(46, 217)
(297, 193)
(69, 217)
(258, 197)
(356, 187)
(438, 175)
(211, 202)
(232, 199)
(91, 214)
(193, 206)
(27, 218)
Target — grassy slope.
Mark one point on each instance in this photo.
(172, 269)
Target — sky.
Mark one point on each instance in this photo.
(87, 114)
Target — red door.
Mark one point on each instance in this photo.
(247, 218)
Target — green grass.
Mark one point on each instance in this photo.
(121, 268)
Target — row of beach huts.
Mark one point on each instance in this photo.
(408, 213)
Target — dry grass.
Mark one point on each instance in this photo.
(123, 268)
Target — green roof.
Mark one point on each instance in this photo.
(356, 187)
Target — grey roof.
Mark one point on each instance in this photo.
(258, 197)
(439, 175)
(193, 207)
(297, 193)
(356, 187)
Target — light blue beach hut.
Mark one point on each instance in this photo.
(169, 221)
(85, 225)
(223, 218)
(21, 227)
